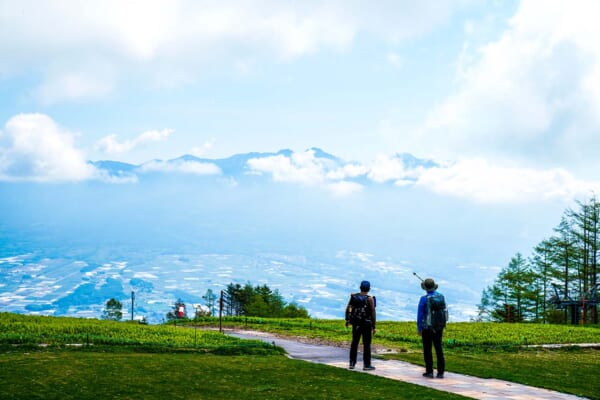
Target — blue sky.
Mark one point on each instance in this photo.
(503, 94)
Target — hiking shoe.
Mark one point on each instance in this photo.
(369, 368)
(351, 366)
(428, 374)
(440, 375)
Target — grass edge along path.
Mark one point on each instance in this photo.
(477, 349)
(74, 358)
(76, 374)
(474, 387)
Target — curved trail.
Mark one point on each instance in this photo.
(468, 386)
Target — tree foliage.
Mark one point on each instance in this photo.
(562, 267)
(113, 310)
(179, 311)
(210, 299)
(259, 301)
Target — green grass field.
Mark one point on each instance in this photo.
(106, 375)
(466, 336)
(52, 358)
(487, 350)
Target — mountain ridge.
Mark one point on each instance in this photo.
(237, 165)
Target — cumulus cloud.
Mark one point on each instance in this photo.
(386, 168)
(307, 169)
(478, 180)
(169, 42)
(473, 179)
(300, 167)
(110, 145)
(34, 148)
(531, 93)
(182, 166)
(350, 170)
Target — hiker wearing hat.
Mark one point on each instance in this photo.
(431, 320)
(360, 313)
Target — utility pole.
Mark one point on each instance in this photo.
(132, 300)
(221, 313)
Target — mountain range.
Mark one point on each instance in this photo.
(173, 229)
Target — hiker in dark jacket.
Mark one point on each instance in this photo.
(428, 335)
(360, 313)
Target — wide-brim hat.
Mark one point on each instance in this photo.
(429, 284)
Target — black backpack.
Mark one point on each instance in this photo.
(437, 312)
(359, 310)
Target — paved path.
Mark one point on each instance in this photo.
(468, 386)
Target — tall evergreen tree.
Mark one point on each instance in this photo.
(567, 261)
(511, 296)
(565, 256)
(210, 299)
(545, 273)
(586, 227)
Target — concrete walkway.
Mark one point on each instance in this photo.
(468, 386)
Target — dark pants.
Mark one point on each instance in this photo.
(433, 338)
(366, 331)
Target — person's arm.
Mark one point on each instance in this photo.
(373, 312)
(348, 308)
(421, 313)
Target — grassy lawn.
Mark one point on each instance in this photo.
(487, 350)
(82, 374)
(127, 361)
(570, 371)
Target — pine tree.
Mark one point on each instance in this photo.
(545, 272)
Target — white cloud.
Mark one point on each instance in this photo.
(168, 42)
(474, 179)
(386, 168)
(392, 168)
(33, 147)
(478, 180)
(351, 170)
(533, 93)
(110, 145)
(306, 169)
(300, 167)
(186, 167)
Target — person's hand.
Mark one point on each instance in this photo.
(420, 333)
(347, 323)
(374, 331)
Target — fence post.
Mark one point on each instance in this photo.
(221, 313)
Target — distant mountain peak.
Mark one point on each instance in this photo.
(236, 166)
(413, 162)
(319, 153)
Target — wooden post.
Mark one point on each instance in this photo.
(132, 300)
(221, 313)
